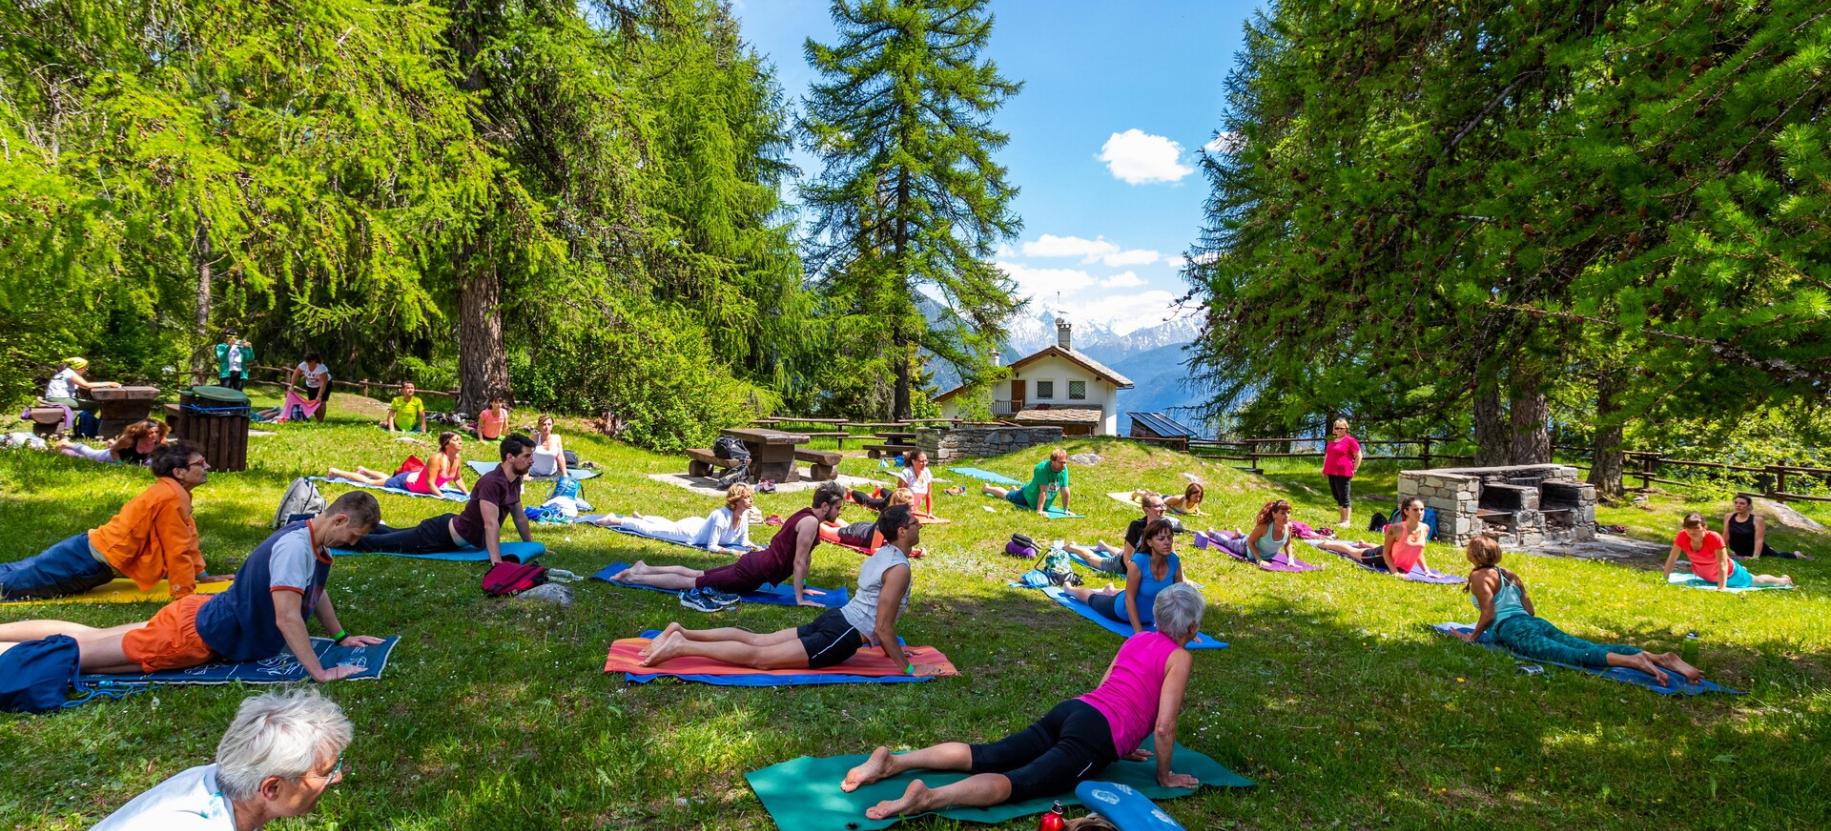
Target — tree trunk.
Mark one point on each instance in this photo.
(1490, 425)
(1605, 447)
(201, 371)
(483, 364)
(1529, 410)
(900, 339)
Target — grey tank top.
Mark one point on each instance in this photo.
(861, 610)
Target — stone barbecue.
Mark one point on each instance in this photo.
(1521, 505)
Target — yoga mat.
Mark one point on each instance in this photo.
(1123, 498)
(1418, 574)
(1692, 581)
(1124, 807)
(527, 551)
(1202, 641)
(280, 669)
(123, 590)
(803, 794)
(446, 494)
(1276, 563)
(586, 519)
(1679, 685)
(768, 594)
(984, 475)
(1076, 556)
(1050, 512)
(579, 474)
(867, 666)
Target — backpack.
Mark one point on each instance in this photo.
(729, 448)
(37, 676)
(1022, 546)
(1058, 569)
(505, 578)
(302, 501)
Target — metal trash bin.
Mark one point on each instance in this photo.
(216, 418)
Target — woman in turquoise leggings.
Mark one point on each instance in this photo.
(1508, 618)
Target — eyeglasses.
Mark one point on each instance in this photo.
(334, 774)
(203, 462)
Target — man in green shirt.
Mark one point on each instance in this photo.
(1048, 483)
(406, 411)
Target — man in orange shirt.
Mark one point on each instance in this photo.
(153, 538)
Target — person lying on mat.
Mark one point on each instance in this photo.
(786, 557)
(406, 412)
(152, 538)
(1746, 532)
(444, 469)
(1147, 573)
(1106, 558)
(1189, 503)
(497, 497)
(919, 480)
(278, 588)
(879, 498)
(1705, 551)
(1403, 550)
(866, 535)
(278, 757)
(1271, 532)
(1508, 616)
(135, 445)
(724, 531)
(549, 451)
(868, 619)
(1140, 695)
(1048, 482)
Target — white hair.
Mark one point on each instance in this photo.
(278, 734)
(1177, 612)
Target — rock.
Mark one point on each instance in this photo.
(1085, 458)
(1778, 512)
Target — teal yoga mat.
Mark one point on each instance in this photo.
(1692, 581)
(803, 794)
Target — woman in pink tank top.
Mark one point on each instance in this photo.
(1141, 695)
(443, 468)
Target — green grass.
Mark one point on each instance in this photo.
(1334, 696)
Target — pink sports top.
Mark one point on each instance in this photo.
(1405, 553)
(417, 482)
(1129, 697)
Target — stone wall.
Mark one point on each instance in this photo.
(1455, 494)
(945, 445)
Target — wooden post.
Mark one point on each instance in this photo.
(1779, 482)
(1252, 456)
(365, 388)
(1649, 465)
(1427, 452)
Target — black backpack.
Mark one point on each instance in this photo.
(729, 448)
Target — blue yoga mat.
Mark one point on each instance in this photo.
(280, 669)
(447, 493)
(767, 594)
(776, 680)
(1679, 685)
(1692, 581)
(527, 552)
(984, 475)
(1202, 641)
(1124, 806)
(579, 474)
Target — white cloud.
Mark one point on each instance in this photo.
(1089, 250)
(1225, 143)
(1046, 283)
(1137, 157)
(1132, 256)
(1122, 280)
(1122, 313)
(1176, 263)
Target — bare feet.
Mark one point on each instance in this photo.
(660, 649)
(1645, 664)
(636, 569)
(913, 801)
(868, 771)
(1671, 661)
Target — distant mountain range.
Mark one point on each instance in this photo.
(1152, 357)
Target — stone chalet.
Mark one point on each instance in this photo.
(1057, 387)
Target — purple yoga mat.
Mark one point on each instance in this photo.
(1418, 574)
(1277, 563)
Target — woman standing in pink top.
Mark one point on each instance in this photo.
(1341, 456)
(1141, 695)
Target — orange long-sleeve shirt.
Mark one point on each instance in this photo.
(153, 538)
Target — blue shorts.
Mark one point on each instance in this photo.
(1015, 496)
(1740, 578)
(398, 480)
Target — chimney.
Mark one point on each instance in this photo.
(1061, 334)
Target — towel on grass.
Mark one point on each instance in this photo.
(527, 552)
(1201, 641)
(1678, 685)
(447, 493)
(868, 666)
(985, 475)
(1692, 581)
(803, 794)
(768, 594)
(577, 474)
(280, 669)
(123, 590)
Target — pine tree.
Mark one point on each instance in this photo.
(910, 201)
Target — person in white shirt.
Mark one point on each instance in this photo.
(917, 478)
(69, 379)
(549, 451)
(725, 531)
(317, 378)
(279, 756)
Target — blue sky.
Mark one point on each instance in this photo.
(1118, 99)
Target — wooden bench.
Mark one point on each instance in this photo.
(837, 435)
(701, 462)
(822, 465)
(876, 450)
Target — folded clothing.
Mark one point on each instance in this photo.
(768, 594)
(123, 590)
(280, 669)
(1061, 596)
(1692, 581)
(868, 665)
(526, 552)
(804, 793)
(1677, 684)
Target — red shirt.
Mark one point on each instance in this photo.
(1704, 562)
(1338, 456)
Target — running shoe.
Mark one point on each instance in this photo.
(697, 600)
(723, 599)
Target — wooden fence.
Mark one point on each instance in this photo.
(840, 429)
(361, 386)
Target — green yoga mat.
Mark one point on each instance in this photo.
(804, 793)
(1691, 581)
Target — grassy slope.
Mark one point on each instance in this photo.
(1334, 695)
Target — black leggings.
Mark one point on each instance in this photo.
(872, 501)
(1048, 758)
(1338, 487)
(429, 537)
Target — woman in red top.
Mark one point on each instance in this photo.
(1341, 456)
(1705, 550)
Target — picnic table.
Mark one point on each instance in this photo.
(118, 407)
(897, 437)
(772, 452)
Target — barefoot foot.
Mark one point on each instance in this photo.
(868, 771)
(660, 649)
(911, 802)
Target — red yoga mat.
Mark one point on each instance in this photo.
(869, 661)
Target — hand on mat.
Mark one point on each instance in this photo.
(338, 673)
(806, 602)
(215, 578)
(359, 640)
(1468, 636)
(1138, 755)
(1178, 780)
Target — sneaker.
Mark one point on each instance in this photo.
(723, 599)
(696, 600)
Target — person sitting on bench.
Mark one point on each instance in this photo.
(69, 380)
(152, 538)
(496, 498)
(868, 619)
(445, 468)
(1147, 573)
(1404, 548)
(1048, 481)
(1140, 695)
(787, 557)
(1508, 616)
(1704, 550)
(1107, 558)
(135, 445)
(724, 531)
(1746, 532)
(278, 757)
(278, 588)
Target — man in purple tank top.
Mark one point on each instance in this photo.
(787, 557)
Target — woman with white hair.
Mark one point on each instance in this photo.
(1141, 694)
(279, 756)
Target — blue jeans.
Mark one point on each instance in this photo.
(64, 568)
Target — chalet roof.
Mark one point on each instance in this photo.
(1162, 425)
(1064, 415)
(1099, 370)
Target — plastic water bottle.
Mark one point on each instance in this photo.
(1688, 649)
(1055, 820)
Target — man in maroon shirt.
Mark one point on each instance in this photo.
(495, 497)
(786, 557)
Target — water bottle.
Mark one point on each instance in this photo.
(1054, 820)
(1688, 649)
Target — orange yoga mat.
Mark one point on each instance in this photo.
(868, 661)
(123, 590)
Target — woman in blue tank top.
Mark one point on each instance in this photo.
(1147, 573)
